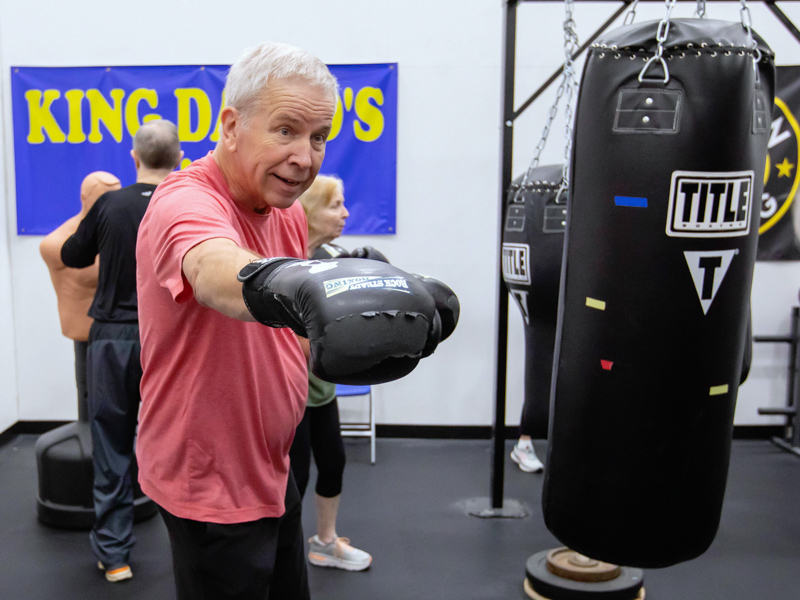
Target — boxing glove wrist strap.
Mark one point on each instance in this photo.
(268, 307)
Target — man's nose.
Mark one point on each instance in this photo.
(302, 154)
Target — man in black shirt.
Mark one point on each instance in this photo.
(113, 367)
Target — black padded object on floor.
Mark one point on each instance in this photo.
(66, 479)
(661, 243)
(533, 243)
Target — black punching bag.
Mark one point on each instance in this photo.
(533, 244)
(660, 248)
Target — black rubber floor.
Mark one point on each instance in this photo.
(409, 512)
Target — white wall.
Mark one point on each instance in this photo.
(449, 56)
(9, 410)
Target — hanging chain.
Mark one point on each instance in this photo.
(747, 23)
(567, 88)
(631, 13)
(661, 37)
(551, 115)
(571, 87)
(701, 9)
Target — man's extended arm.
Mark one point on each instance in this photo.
(211, 268)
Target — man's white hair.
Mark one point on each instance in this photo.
(251, 74)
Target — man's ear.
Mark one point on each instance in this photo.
(230, 122)
(135, 157)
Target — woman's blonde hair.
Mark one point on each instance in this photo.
(320, 193)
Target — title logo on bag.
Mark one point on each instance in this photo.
(710, 204)
(516, 268)
(348, 284)
(708, 270)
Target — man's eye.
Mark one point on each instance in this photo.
(283, 131)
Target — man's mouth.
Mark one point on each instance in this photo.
(288, 181)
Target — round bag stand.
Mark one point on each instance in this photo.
(563, 574)
(66, 479)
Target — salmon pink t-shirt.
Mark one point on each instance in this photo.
(220, 397)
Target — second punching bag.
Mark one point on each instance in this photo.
(533, 244)
(668, 171)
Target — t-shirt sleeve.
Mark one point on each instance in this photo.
(81, 248)
(181, 220)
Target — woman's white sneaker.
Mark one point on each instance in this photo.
(525, 456)
(338, 554)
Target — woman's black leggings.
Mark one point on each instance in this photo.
(320, 432)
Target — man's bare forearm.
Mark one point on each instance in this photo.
(211, 268)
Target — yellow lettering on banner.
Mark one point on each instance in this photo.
(215, 136)
(132, 122)
(369, 114)
(185, 98)
(348, 99)
(101, 111)
(185, 163)
(41, 119)
(74, 99)
(338, 117)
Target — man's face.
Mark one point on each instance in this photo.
(279, 151)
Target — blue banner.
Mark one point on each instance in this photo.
(71, 121)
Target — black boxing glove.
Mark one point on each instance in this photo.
(330, 251)
(447, 304)
(370, 253)
(367, 322)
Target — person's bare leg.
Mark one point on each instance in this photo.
(327, 510)
(327, 549)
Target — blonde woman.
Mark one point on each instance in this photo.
(320, 431)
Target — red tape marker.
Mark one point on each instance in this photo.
(606, 364)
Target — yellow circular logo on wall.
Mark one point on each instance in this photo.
(781, 175)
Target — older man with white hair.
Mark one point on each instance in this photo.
(221, 394)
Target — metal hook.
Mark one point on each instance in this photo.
(649, 62)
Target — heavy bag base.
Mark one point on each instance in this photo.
(531, 593)
(66, 479)
(621, 583)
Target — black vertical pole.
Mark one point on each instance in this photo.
(501, 342)
(794, 336)
(792, 401)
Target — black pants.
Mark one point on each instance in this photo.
(258, 560)
(320, 431)
(527, 422)
(81, 349)
(113, 374)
